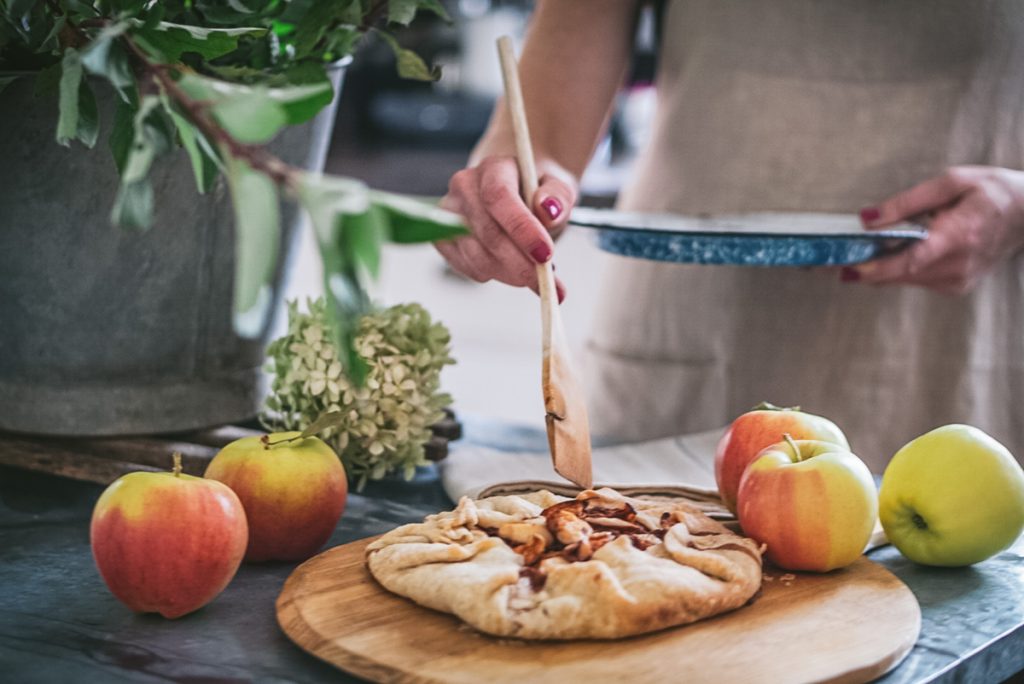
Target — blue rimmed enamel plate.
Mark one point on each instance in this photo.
(757, 239)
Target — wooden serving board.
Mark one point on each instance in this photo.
(851, 625)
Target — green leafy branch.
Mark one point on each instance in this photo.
(221, 80)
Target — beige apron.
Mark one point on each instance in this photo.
(827, 106)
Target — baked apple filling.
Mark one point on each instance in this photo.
(574, 530)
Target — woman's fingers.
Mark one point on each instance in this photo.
(946, 257)
(911, 262)
(514, 267)
(930, 195)
(508, 239)
(554, 200)
(499, 195)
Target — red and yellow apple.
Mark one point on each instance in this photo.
(293, 491)
(812, 503)
(758, 429)
(167, 543)
(953, 496)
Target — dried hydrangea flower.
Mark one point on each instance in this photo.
(387, 419)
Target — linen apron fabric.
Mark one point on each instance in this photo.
(817, 105)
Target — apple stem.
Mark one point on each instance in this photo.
(793, 445)
(176, 468)
(267, 443)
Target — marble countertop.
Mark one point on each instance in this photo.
(59, 623)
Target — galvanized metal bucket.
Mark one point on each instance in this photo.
(106, 331)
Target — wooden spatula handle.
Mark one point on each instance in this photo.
(517, 112)
(527, 172)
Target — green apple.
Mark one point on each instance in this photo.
(953, 496)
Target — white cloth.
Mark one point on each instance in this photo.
(685, 464)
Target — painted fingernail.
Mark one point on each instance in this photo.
(870, 214)
(553, 207)
(849, 275)
(560, 291)
(541, 253)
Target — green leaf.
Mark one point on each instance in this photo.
(411, 220)
(410, 65)
(361, 238)
(348, 233)
(257, 235)
(70, 82)
(170, 41)
(82, 7)
(16, 9)
(107, 58)
(346, 302)
(88, 116)
(404, 11)
(325, 421)
(122, 134)
(401, 11)
(436, 7)
(149, 140)
(6, 81)
(51, 42)
(203, 167)
(329, 199)
(154, 15)
(232, 12)
(250, 118)
(341, 42)
(254, 114)
(319, 18)
(133, 207)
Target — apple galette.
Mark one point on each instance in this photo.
(540, 566)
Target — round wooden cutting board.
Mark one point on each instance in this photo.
(850, 625)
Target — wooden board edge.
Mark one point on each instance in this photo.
(872, 672)
(289, 619)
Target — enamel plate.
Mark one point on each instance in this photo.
(761, 239)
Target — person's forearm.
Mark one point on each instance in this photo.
(573, 62)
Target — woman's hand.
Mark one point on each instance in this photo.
(975, 219)
(508, 238)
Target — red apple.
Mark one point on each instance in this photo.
(293, 491)
(813, 504)
(758, 429)
(167, 543)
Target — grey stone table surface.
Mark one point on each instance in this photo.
(58, 622)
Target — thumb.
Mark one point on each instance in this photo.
(553, 202)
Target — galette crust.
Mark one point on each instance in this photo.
(540, 566)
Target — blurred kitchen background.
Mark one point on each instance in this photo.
(410, 137)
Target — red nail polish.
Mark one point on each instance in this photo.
(541, 253)
(849, 275)
(560, 291)
(553, 207)
(870, 214)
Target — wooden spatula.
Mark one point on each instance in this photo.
(566, 412)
